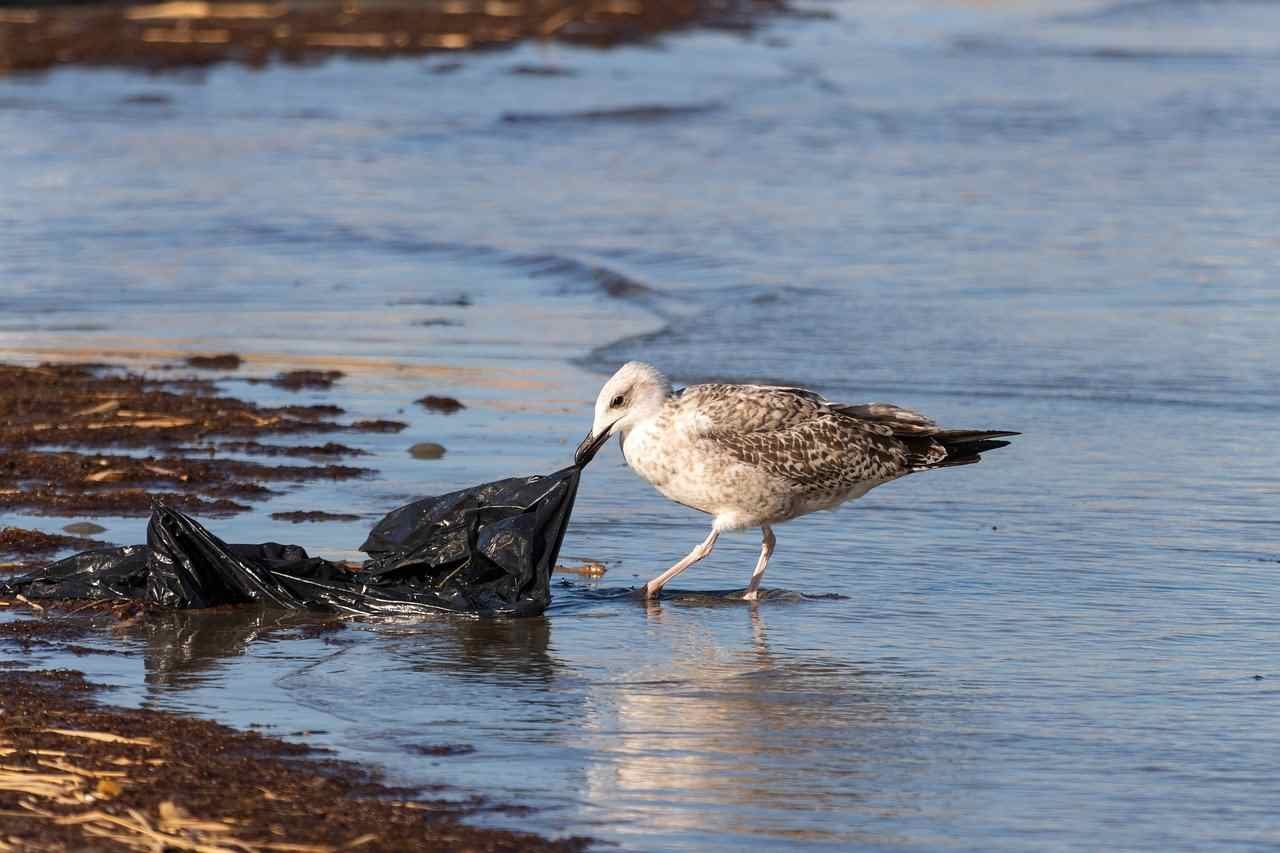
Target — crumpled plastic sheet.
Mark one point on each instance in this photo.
(487, 550)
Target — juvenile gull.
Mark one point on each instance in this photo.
(759, 455)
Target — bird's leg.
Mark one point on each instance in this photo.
(766, 551)
(653, 587)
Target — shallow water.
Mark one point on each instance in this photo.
(1052, 218)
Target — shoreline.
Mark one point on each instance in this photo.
(102, 794)
(78, 774)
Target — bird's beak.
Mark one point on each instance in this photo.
(590, 446)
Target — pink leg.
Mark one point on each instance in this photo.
(766, 551)
(653, 587)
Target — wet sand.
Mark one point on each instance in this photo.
(187, 34)
(78, 775)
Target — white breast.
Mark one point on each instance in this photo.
(683, 472)
(647, 456)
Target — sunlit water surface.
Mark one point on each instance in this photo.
(1059, 219)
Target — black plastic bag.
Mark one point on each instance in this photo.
(487, 550)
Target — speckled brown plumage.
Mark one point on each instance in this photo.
(758, 455)
(762, 454)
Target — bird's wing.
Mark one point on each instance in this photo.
(900, 421)
(748, 408)
(790, 390)
(796, 436)
(704, 409)
(827, 452)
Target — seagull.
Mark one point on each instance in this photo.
(758, 455)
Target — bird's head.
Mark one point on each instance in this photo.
(636, 392)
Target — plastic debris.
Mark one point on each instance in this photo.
(487, 550)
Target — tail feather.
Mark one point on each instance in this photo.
(965, 447)
(960, 436)
(928, 446)
(949, 448)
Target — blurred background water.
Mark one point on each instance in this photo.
(1059, 218)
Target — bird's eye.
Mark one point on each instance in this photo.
(618, 401)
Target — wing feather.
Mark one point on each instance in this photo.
(792, 433)
(826, 452)
(704, 409)
(800, 436)
(899, 420)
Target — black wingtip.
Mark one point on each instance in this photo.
(964, 447)
(965, 436)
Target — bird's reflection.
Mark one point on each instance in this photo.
(734, 730)
(654, 613)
